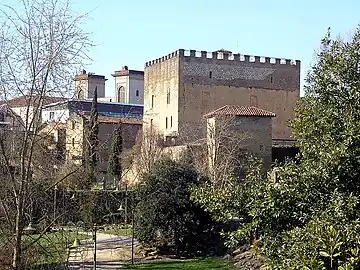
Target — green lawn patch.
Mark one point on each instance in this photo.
(118, 230)
(51, 247)
(207, 263)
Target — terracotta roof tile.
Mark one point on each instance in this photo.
(240, 111)
(115, 120)
(23, 101)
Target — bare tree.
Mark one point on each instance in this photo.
(219, 151)
(41, 47)
(148, 149)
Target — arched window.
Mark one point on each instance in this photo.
(121, 94)
(79, 94)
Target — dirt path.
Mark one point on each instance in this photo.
(112, 251)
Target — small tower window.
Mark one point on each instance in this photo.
(271, 79)
(137, 93)
(152, 101)
(210, 74)
(168, 96)
(166, 122)
(171, 121)
(72, 125)
(73, 142)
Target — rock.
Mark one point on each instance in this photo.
(247, 260)
(227, 257)
(152, 253)
(151, 258)
(241, 250)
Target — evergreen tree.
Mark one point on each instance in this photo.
(115, 168)
(93, 140)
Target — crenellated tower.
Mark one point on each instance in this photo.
(184, 85)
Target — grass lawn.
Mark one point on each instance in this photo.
(52, 247)
(118, 230)
(207, 263)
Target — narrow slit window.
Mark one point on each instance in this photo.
(166, 122)
(168, 96)
(152, 101)
(210, 74)
(73, 142)
(171, 121)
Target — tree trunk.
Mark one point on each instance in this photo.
(16, 264)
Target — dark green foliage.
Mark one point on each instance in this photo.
(115, 168)
(93, 141)
(308, 215)
(165, 216)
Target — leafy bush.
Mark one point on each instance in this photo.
(165, 215)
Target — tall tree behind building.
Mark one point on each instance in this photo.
(91, 161)
(115, 168)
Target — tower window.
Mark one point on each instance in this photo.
(137, 93)
(52, 114)
(271, 79)
(171, 121)
(210, 74)
(121, 94)
(73, 142)
(72, 125)
(168, 96)
(166, 122)
(152, 101)
(253, 101)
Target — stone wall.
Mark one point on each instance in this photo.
(228, 135)
(200, 82)
(161, 88)
(75, 133)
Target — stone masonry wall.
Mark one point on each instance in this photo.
(200, 82)
(159, 79)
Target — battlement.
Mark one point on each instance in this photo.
(226, 56)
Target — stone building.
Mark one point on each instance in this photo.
(181, 87)
(85, 84)
(129, 86)
(25, 106)
(232, 130)
(75, 137)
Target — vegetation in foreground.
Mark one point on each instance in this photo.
(167, 219)
(118, 230)
(51, 247)
(208, 263)
(306, 216)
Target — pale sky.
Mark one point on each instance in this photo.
(133, 32)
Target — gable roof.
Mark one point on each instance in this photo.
(26, 100)
(239, 111)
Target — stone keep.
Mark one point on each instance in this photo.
(181, 87)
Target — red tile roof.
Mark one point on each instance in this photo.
(240, 111)
(115, 120)
(23, 101)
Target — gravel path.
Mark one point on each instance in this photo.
(112, 251)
